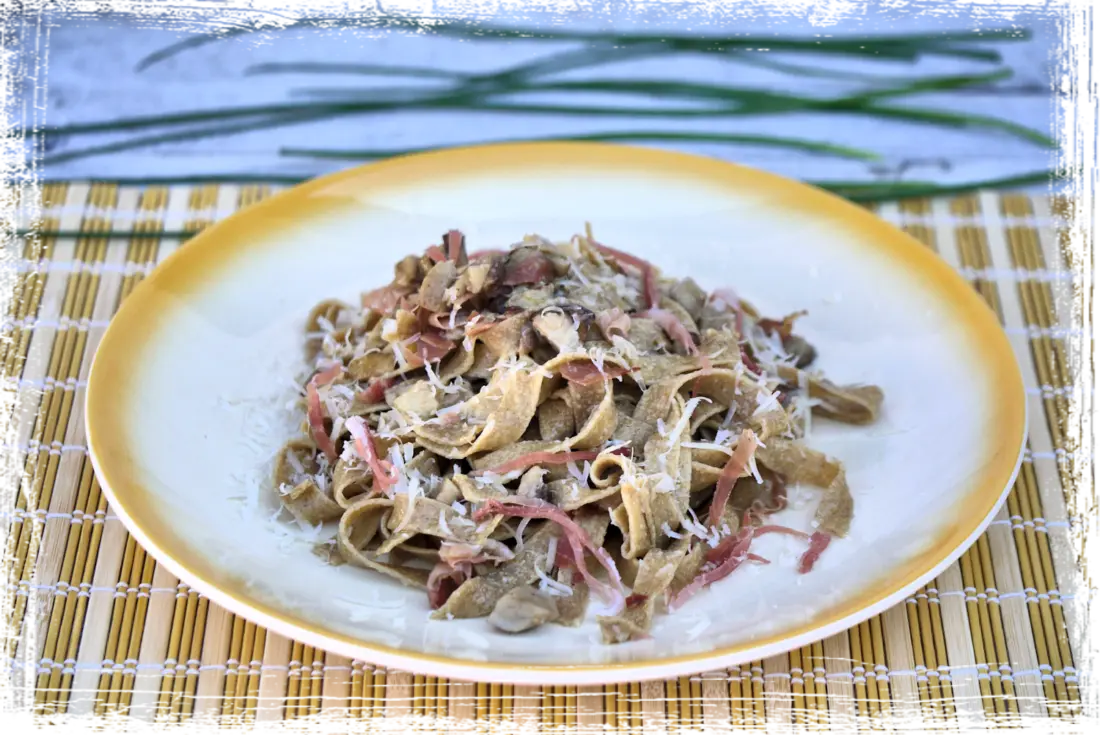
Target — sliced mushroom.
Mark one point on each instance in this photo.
(527, 265)
(523, 608)
(802, 350)
(558, 328)
(406, 271)
(435, 285)
(687, 294)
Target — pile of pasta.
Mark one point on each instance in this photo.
(522, 432)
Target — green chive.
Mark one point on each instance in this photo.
(892, 46)
(809, 146)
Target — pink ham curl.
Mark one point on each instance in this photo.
(479, 323)
(315, 412)
(746, 447)
(534, 458)
(531, 267)
(444, 579)
(375, 392)
(673, 327)
(818, 542)
(721, 562)
(586, 373)
(772, 528)
(649, 277)
(613, 322)
(385, 474)
(384, 300)
(441, 320)
(425, 347)
(460, 553)
(579, 541)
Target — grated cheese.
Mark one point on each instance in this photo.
(685, 417)
(707, 445)
(766, 402)
(399, 355)
(578, 474)
(295, 463)
(627, 350)
(710, 536)
(669, 532)
(337, 427)
(519, 533)
(552, 586)
(577, 270)
(666, 484)
(551, 552)
(443, 523)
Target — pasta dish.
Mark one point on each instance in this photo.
(531, 432)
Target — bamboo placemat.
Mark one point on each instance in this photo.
(97, 627)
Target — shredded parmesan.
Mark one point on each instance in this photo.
(337, 427)
(443, 523)
(399, 355)
(295, 463)
(707, 445)
(665, 484)
(669, 532)
(519, 533)
(685, 417)
(578, 474)
(766, 402)
(709, 535)
(552, 586)
(551, 552)
(449, 410)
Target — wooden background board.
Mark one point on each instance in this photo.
(74, 59)
(98, 627)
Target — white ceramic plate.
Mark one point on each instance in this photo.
(187, 395)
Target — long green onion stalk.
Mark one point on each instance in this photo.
(903, 47)
(501, 91)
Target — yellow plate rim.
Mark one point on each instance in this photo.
(206, 252)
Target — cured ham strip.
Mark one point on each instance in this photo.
(586, 373)
(733, 470)
(673, 327)
(579, 541)
(539, 458)
(385, 475)
(315, 412)
(818, 543)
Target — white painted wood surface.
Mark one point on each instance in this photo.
(89, 75)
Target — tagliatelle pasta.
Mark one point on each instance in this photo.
(519, 432)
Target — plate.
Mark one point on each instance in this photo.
(188, 393)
